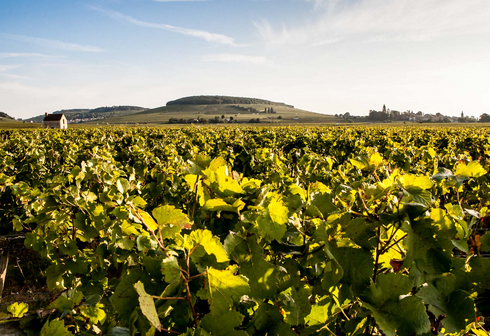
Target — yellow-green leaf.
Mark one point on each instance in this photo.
(410, 180)
(147, 305)
(18, 309)
(148, 220)
(278, 211)
(472, 169)
(210, 243)
(168, 215)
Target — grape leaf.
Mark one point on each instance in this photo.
(444, 299)
(249, 255)
(147, 306)
(223, 288)
(396, 312)
(203, 241)
(18, 309)
(55, 328)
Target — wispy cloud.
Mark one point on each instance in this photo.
(8, 67)
(202, 34)
(24, 55)
(326, 41)
(234, 58)
(52, 43)
(382, 20)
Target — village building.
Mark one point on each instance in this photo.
(55, 121)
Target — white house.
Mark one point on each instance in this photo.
(55, 121)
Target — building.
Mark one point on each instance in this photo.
(55, 121)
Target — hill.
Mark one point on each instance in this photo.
(8, 122)
(84, 115)
(222, 109)
(4, 115)
(220, 100)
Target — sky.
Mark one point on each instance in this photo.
(327, 56)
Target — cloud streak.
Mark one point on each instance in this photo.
(202, 34)
(24, 55)
(234, 58)
(8, 67)
(382, 20)
(56, 44)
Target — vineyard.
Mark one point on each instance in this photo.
(248, 231)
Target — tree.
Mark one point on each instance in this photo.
(384, 108)
(485, 117)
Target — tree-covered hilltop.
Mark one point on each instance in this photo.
(83, 115)
(103, 109)
(214, 100)
(5, 115)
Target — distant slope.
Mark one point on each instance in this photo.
(212, 108)
(5, 116)
(217, 100)
(7, 122)
(83, 115)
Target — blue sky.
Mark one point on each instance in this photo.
(326, 56)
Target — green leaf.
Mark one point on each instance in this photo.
(148, 220)
(18, 309)
(122, 185)
(270, 229)
(265, 320)
(223, 288)
(94, 314)
(419, 195)
(69, 248)
(125, 243)
(444, 224)
(323, 202)
(388, 287)
(360, 162)
(55, 328)
(319, 314)
(204, 241)
(485, 242)
(215, 163)
(171, 269)
(17, 224)
(218, 204)
(147, 306)
(278, 211)
(395, 312)
(249, 255)
(473, 169)
(61, 303)
(125, 297)
(296, 305)
(405, 317)
(444, 299)
(223, 324)
(428, 253)
(227, 185)
(442, 173)
(168, 215)
(357, 267)
(410, 180)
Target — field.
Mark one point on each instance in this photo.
(14, 124)
(287, 231)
